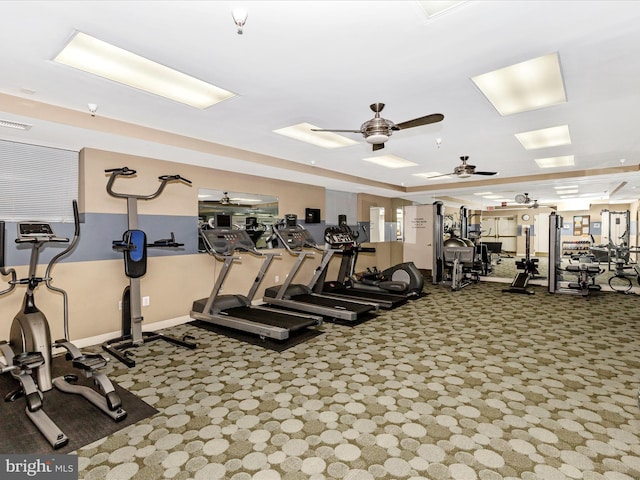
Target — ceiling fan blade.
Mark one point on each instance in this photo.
(485, 173)
(442, 175)
(331, 130)
(378, 146)
(417, 122)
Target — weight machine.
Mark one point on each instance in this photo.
(529, 267)
(586, 271)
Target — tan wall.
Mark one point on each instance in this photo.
(177, 199)
(172, 282)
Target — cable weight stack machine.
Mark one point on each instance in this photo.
(134, 247)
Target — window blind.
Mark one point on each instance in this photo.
(36, 182)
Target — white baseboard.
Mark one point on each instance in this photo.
(100, 339)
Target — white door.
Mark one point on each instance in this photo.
(376, 224)
(503, 230)
(541, 232)
(418, 238)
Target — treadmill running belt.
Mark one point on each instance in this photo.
(333, 302)
(388, 300)
(273, 318)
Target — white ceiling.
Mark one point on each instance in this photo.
(324, 62)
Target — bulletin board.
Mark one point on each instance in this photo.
(581, 225)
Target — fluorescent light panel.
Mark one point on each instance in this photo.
(113, 63)
(390, 161)
(564, 187)
(435, 7)
(552, 162)
(302, 132)
(492, 197)
(483, 193)
(428, 175)
(525, 86)
(15, 125)
(246, 200)
(545, 138)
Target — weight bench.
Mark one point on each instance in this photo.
(586, 272)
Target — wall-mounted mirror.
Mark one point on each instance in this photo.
(248, 211)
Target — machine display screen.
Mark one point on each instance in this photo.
(35, 230)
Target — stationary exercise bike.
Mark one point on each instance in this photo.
(134, 248)
(28, 352)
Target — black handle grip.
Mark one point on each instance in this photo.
(168, 178)
(121, 171)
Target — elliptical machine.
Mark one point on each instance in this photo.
(401, 279)
(28, 351)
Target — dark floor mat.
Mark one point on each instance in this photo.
(294, 339)
(80, 420)
(354, 323)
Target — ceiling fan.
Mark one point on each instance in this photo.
(464, 170)
(225, 200)
(378, 130)
(524, 199)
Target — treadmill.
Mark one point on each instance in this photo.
(236, 311)
(343, 241)
(301, 297)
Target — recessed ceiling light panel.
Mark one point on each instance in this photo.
(553, 162)
(390, 161)
(430, 175)
(436, 7)
(303, 132)
(545, 138)
(113, 63)
(525, 86)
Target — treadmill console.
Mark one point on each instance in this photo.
(338, 237)
(224, 241)
(296, 238)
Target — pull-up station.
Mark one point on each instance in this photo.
(134, 247)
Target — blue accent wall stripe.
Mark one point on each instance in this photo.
(98, 230)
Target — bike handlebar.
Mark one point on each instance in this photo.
(168, 178)
(121, 171)
(127, 172)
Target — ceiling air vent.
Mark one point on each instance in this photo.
(16, 125)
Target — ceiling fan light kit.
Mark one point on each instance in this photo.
(378, 130)
(377, 138)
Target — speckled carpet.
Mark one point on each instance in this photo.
(464, 385)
